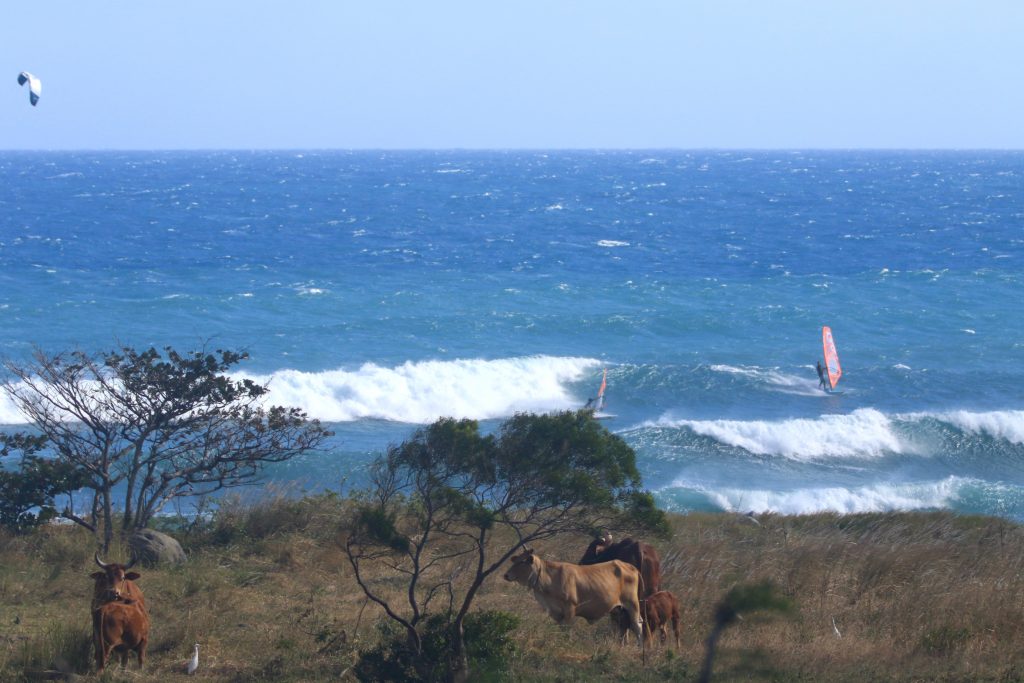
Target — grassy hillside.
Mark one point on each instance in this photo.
(269, 596)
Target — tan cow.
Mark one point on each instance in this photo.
(568, 590)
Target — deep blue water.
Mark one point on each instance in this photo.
(381, 290)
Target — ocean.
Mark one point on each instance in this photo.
(381, 290)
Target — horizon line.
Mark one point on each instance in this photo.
(512, 149)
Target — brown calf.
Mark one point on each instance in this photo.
(658, 610)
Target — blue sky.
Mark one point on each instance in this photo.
(218, 74)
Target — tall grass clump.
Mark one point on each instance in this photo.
(64, 647)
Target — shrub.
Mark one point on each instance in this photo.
(488, 644)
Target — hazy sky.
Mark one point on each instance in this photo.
(193, 74)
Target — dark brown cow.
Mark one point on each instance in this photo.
(641, 555)
(119, 616)
(122, 626)
(568, 590)
(658, 610)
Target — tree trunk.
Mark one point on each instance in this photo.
(458, 672)
(108, 518)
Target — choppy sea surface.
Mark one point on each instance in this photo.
(382, 290)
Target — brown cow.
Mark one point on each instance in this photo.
(117, 602)
(641, 555)
(115, 582)
(121, 625)
(658, 610)
(568, 590)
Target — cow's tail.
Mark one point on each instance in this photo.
(642, 587)
(101, 642)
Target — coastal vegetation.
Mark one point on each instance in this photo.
(143, 426)
(446, 510)
(270, 595)
(397, 580)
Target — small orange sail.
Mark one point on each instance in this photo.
(831, 357)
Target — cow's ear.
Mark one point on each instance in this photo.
(97, 575)
(132, 576)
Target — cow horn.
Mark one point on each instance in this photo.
(131, 564)
(99, 561)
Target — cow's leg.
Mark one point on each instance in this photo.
(141, 651)
(621, 621)
(636, 622)
(566, 616)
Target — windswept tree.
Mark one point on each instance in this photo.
(447, 509)
(154, 427)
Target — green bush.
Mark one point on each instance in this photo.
(489, 647)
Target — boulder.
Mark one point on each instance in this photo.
(155, 547)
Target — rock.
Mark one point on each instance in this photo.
(154, 548)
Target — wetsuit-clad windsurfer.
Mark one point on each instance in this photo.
(821, 378)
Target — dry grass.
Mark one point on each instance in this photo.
(269, 596)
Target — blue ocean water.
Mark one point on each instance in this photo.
(381, 290)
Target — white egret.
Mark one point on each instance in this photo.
(193, 663)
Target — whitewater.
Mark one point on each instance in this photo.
(379, 291)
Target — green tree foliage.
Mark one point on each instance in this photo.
(28, 489)
(438, 499)
(158, 425)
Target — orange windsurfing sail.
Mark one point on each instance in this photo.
(831, 357)
(600, 392)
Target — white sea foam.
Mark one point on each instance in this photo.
(774, 379)
(612, 243)
(9, 413)
(862, 433)
(424, 391)
(873, 498)
(1007, 425)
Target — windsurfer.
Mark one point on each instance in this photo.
(821, 378)
(590, 404)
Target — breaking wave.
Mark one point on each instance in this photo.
(863, 433)
(940, 494)
(422, 392)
